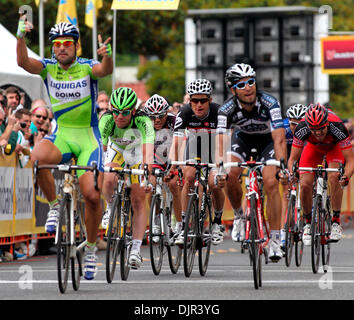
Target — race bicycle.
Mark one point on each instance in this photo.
(119, 230)
(257, 231)
(321, 222)
(71, 235)
(161, 235)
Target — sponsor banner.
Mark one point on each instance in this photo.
(145, 4)
(338, 54)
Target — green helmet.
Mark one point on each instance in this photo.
(123, 98)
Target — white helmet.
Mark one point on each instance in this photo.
(237, 72)
(200, 86)
(156, 105)
(64, 29)
(296, 111)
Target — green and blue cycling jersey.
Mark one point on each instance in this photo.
(73, 94)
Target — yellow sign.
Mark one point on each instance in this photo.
(145, 4)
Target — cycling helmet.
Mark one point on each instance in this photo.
(123, 99)
(316, 116)
(296, 111)
(200, 86)
(237, 72)
(63, 29)
(156, 105)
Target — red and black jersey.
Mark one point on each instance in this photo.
(337, 134)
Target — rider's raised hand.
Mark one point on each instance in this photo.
(105, 49)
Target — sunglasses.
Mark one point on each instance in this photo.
(23, 125)
(294, 123)
(241, 85)
(42, 130)
(158, 116)
(38, 116)
(202, 101)
(66, 43)
(124, 113)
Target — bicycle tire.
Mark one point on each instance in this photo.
(126, 241)
(299, 244)
(156, 240)
(255, 245)
(327, 225)
(80, 236)
(289, 231)
(315, 234)
(190, 234)
(174, 251)
(204, 240)
(63, 244)
(113, 238)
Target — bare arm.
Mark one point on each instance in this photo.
(31, 65)
(106, 66)
(279, 140)
(349, 160)
(294, 156)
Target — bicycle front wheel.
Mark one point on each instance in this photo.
(255, 245)
(126, 240)
(155, 236)
(174, 251)
(113, 238)
(326, 224)
(80, 237)
(299, 244)
(204, 239)
(63, 244)
(190, 234)
(316, 234)
(289, 231)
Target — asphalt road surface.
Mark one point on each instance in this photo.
(229, 277)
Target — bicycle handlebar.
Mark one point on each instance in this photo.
(193, 163)
(67, 168)
(252, 164)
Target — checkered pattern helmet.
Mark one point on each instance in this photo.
(200, 86)
(237, 72)
(156, 105)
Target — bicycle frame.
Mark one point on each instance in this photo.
(253, 187)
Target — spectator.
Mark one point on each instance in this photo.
(52, 121)
(7, 135)
(102, 97)
(13, 96)
(186, 98)
(22, 127)
(3, 100)
(39, 114)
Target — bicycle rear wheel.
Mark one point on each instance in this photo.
(204, 240)
(156, 244)
(126, 240)
(80, 236)
(289, 231)
(315, 234)
(190, 234)
(63, 244)
(113, 238)
(255, 245)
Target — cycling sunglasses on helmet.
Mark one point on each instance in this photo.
(242, 84)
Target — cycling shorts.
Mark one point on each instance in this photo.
(122, 158)
(82, 143)
(312, 156)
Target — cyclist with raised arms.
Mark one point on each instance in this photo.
(128, 139)
(256, 118)
(294, 115)
(198, 118)
(156, 107)
(325, 135)
(72, 88)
